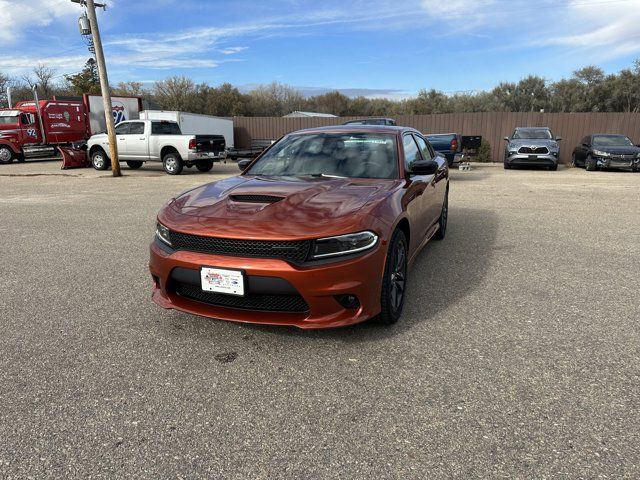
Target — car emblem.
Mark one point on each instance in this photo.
(210, 142)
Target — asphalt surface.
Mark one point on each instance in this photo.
(518, 355)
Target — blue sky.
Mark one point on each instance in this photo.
(373, 47)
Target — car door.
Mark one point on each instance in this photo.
(416, 188)
(122, 130)
(434, 191)
(137, 141)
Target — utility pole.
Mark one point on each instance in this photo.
(104, 83)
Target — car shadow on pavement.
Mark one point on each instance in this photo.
(444, 274)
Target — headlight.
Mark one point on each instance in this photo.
(163, 234)
(343, 244)
(601, 154)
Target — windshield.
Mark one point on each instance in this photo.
(612, 141)
(9, 119)
(354, 155)
(532, 134)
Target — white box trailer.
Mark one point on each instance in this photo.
(123, 108)
(195, 124)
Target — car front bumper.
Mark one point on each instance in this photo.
(176, 285)
(532, 160)
(607, 162)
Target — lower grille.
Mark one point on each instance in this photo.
(293, 251)
(535, 150)
(257, 302)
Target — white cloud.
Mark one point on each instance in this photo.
(21, 14)
(232, 50)
(604, 30)
(456, 9)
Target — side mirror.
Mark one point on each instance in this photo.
(424, 167)
(558, 139)
(243, 164)
(506, 139)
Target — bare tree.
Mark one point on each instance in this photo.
(43, 76)
(133, 89)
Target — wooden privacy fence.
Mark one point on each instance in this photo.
(493, 126)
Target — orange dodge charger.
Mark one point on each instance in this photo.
(317, 232)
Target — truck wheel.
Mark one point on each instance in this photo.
(205, 165)
(172, 163)
(99, 160)
(590, 164)
(6, 155)
(134, 164)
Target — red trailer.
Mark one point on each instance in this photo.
(39, 128)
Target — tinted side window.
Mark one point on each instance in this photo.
(136, 128)
(122, 129)
(424, 148)
(165, 128)
(411, 152)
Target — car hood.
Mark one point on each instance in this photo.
(304, 207)
(533, 142)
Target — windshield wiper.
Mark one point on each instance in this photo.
(322, 175)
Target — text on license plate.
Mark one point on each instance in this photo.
(220, 280)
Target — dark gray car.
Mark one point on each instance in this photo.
(533, 147)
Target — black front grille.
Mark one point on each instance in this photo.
(256, 198)
(293, 251)
(257, 302)
(534, 150)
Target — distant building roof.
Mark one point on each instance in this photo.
(309, 114)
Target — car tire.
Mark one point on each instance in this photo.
(507, 166)
(99, 160)
(205, 165)
(574, 163)
(172, 163)
(134, 164)
(590, 164)
(553, 168)
(394, 281)
(6, 155)
(442, 221)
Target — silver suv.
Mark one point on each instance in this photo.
(532, 146)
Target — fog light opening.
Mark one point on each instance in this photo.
(348, 301)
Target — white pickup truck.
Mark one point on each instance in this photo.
(142, 141)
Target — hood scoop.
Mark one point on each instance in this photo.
(255, 198)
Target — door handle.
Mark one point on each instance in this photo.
(142, 138)
(122, 138)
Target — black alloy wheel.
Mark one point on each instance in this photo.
(394, 282)
(442, 221)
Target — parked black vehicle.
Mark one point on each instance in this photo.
(372, 121)
(533, 147)
(447, 144)
(606, 151)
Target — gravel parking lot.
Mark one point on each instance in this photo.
(518, 355)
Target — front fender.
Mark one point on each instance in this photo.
(15, 148)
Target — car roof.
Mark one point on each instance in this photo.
(355, 128)
(533, 128)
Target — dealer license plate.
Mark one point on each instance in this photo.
(220, 280)
(533, 157)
